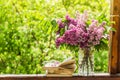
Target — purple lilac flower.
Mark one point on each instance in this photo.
(71, 26)
(60, 23)
(73, 21)
(67, 17)
(78, 34)
(59, 41)
(93, 26)
(71, 36)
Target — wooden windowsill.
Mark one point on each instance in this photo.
(99, 76)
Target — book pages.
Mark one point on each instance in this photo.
(67, 67)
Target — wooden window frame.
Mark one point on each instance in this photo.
(114, 56)
(104, 76)
(114, 62)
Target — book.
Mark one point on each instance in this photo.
(67, 67)
(67, 62)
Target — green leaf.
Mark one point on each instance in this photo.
(54, 23)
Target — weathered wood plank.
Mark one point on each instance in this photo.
(114, 52)
(115, 7)
(114, 47)
(119, 50)
(43, 77)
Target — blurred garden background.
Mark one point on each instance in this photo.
(28, 32)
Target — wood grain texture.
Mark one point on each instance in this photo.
(114, 47)
(38, 77)
(114, 66)
(115, 7)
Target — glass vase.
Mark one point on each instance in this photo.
(85, 62)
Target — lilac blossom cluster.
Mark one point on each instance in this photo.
(79, 33)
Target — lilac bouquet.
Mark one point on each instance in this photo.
(78, 32)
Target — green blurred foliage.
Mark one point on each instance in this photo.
(27, 33)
